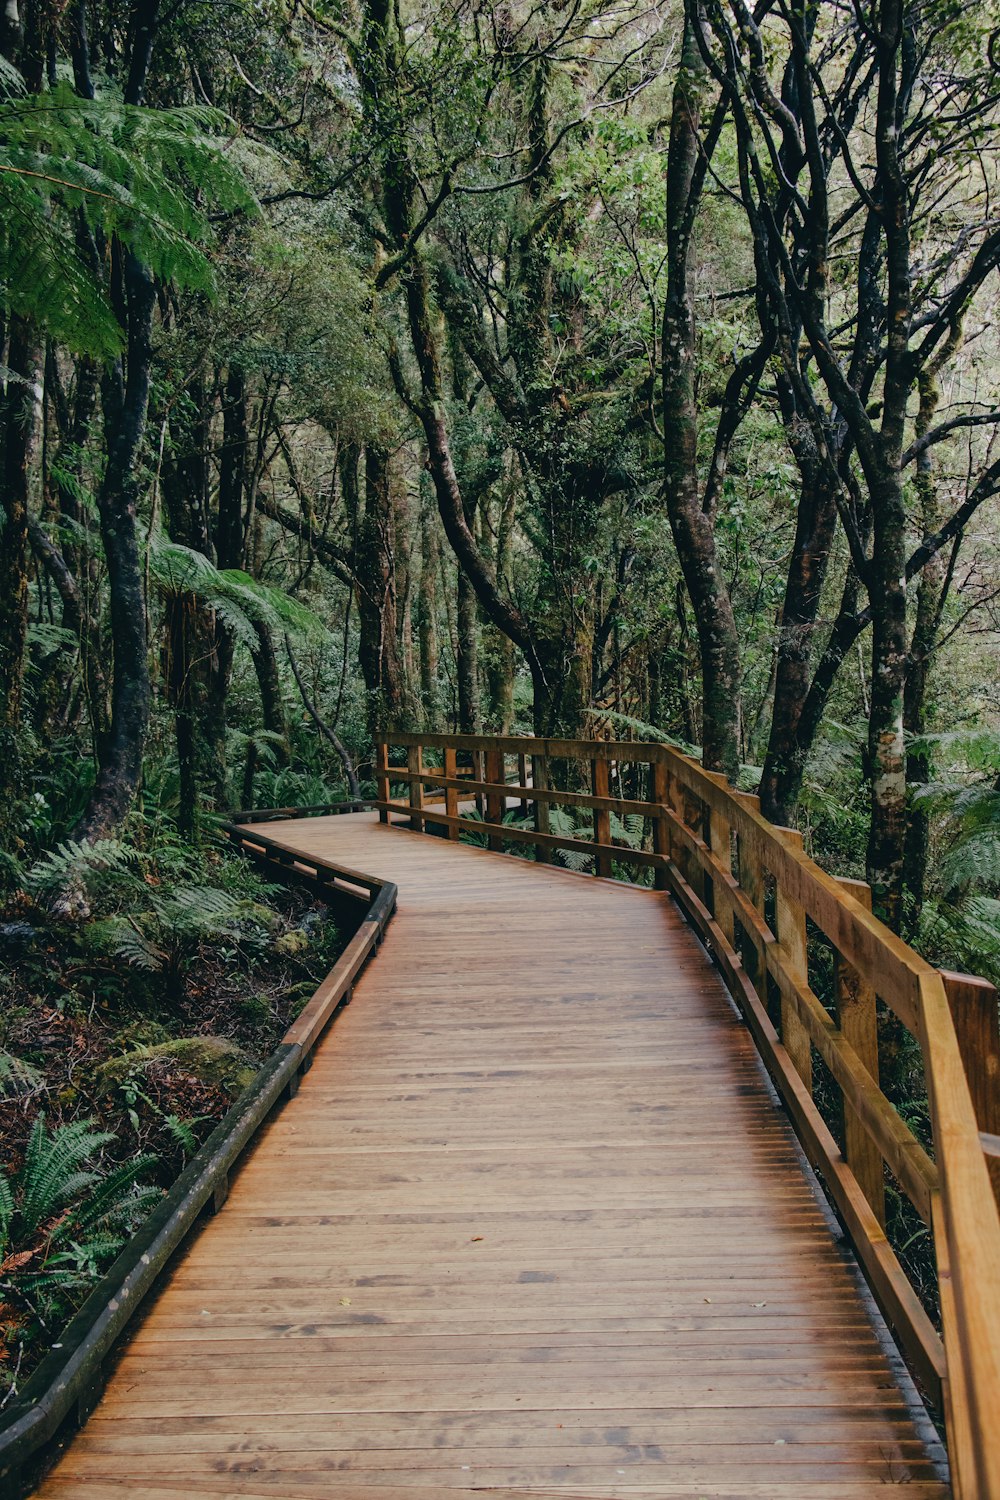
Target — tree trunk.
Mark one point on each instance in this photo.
(20, 431)
(125, 405)
(784, 762)
(467, 652)
(428, 615)
(272, 707)
(692, 527)
(378, 646)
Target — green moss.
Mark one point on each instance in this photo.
(212, 1059)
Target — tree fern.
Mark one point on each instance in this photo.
(144, 175)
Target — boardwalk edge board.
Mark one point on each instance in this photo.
(68, 1382)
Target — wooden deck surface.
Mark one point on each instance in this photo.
(532, 1227)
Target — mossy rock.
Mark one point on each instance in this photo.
(212, 1059)
(296, 941)
(142, 1033)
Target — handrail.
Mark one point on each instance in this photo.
(69, 1379)
(749, 888)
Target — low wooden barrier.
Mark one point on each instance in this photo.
(751, 892)
(67, 1384)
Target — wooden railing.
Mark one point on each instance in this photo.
(752, 894)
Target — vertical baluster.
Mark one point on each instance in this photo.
(522, 777)
(495, 801)
(752, 885)
(973, 1005)
(660, 777)
(540, 783)
(790, 919)
(479, 774)
(415, 763)
(382, 778)
(854, 1006)
(451, 792)
(600, 782)
(693, 811)
(720, 838)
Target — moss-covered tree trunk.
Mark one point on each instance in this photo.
(691, 524)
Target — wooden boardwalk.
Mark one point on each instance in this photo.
(532, 1227)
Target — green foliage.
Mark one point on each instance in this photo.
(144, 175)
(16, 1075)
(174, 926)
(61, 1216)
(80, 866)
(959, 923)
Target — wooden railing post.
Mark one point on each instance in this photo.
(660, 777)
(854, 1005)
(415, 762)
(522, 777)
(720, 838)
(382, 777)
(600, 781)
(495, 801)
(790, 919)
(540, 783)
(973, 1005)
(451, 792)
(751, 872)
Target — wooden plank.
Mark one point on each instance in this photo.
(854, 1008)
(382, 776)
(600, 782)
(976, 1014)
(415, 758)
(524, 793)
(540, 786)
(659, 777)
(790, 920)
(496, 800)
(451, 782)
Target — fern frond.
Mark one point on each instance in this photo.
(116, 1198)
(16, 1075)
(75, 862)
(6, 1210)
(52, 1170)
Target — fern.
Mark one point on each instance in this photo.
(78, 864)
(61, 1216)
(120, 937)
(7, 1210)
(115, 1200)
(16, 1075)
(53, 1169)
(140, 174)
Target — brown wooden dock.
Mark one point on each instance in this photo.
(533, 1226)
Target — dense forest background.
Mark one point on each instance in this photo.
(571, 368)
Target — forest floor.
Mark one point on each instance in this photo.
(123, 1041)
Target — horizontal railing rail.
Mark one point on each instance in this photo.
(67, 1384)
(752, 893)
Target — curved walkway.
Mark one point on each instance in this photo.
(532, 1227)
